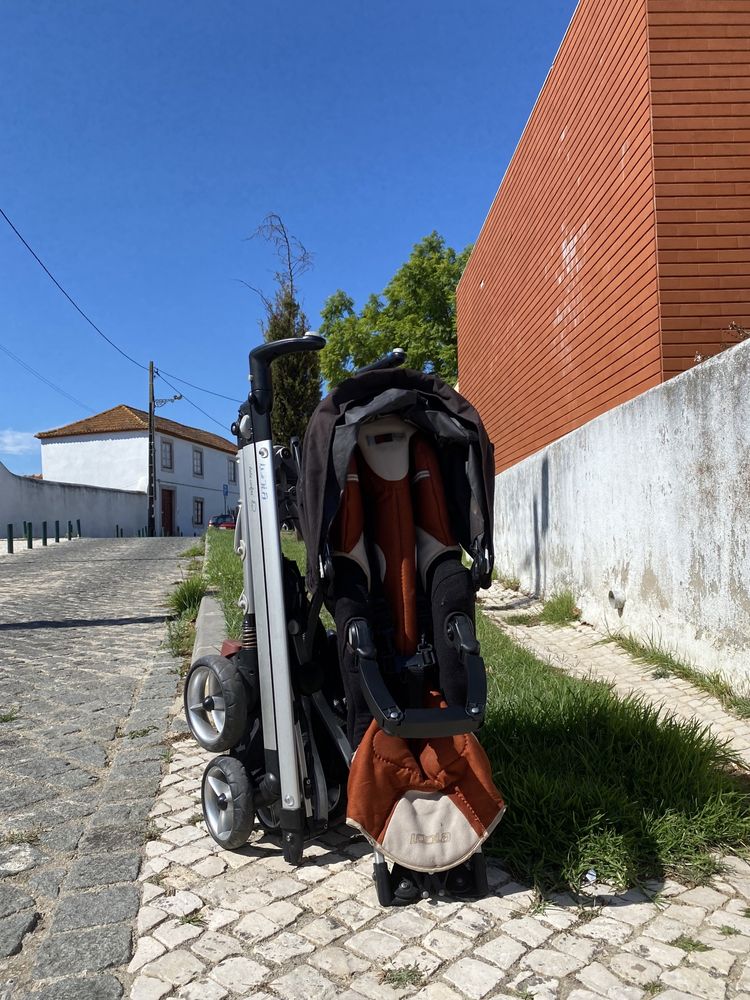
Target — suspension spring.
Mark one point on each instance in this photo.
(249, 633)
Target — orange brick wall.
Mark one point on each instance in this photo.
(558, 306)
(700, 80)
(567, 308)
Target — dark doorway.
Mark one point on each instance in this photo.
(167, 512)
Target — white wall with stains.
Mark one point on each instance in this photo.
(648, 504)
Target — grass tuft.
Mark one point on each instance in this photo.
(195, 550)
(408, 975)
(560, 609)
(509, 582)
(9, 716)
(689, 944)
(186, 598)
(667, 664)
(20, 837)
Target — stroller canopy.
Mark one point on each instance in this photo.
(464, 452)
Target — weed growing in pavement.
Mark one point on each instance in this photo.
(196, 818)
(593, 781)
(560, 609)
(151, 832)
(185, 599)
(138, 734)
(20, 837)
(194, 551)
(689, 944)
(408, 975)
(509, 582)
(180, 637)
(652, 988)
(10, 716)
(667, 664)
(728, 931)
(193, 918)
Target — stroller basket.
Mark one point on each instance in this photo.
(372, 723)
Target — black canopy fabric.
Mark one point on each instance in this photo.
(465, 453)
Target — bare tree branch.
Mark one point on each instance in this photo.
(295, 258)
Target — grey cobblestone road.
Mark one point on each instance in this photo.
(85, 692)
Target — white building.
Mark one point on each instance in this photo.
(196, 471)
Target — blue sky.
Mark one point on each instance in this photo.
(142, 142)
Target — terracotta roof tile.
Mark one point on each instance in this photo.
(124, 418)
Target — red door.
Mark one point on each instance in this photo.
(167, 512)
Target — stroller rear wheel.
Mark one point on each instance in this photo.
(215, 703)
(227, 802)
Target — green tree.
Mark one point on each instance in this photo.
(416, 311)
(296, 378)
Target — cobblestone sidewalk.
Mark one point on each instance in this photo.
(84, 700)
(217, 924)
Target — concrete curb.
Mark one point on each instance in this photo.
(210, 629)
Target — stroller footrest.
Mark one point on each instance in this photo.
(414, 723)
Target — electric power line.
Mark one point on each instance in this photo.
(68, 297)
(42, 378)
(188, 400)
(200, 389)
(101, 333)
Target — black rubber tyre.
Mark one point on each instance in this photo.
(268, 819)
(227, 799)
(215, 703)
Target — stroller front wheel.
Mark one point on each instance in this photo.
(227, 799)
(215, 703)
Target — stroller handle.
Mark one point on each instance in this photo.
(393, 359)
(261, 357)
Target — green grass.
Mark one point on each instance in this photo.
(195, 550)
(591, 781)
(560, 609)
(9, 716)
(408, 975)
(595, 782)
(667, 664)
(689, 944)
(186, 598)
(509, 582)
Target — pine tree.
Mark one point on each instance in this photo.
(296, 378)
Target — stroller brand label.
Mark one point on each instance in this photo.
(431, 838)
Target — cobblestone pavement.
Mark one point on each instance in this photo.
(215, 924)
(84, 699)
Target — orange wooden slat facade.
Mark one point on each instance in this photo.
(618, 245)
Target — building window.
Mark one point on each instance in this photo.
(197, 462)
(232, 474)
(167, 455)
(197, 511)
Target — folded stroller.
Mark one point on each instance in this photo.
(374, 722)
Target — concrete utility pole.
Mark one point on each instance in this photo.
(151, 454)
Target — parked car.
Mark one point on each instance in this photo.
(222, 521)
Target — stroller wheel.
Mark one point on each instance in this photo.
(215, 703)
(227, 802)
(268, 818)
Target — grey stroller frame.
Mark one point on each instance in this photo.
(275, 771)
